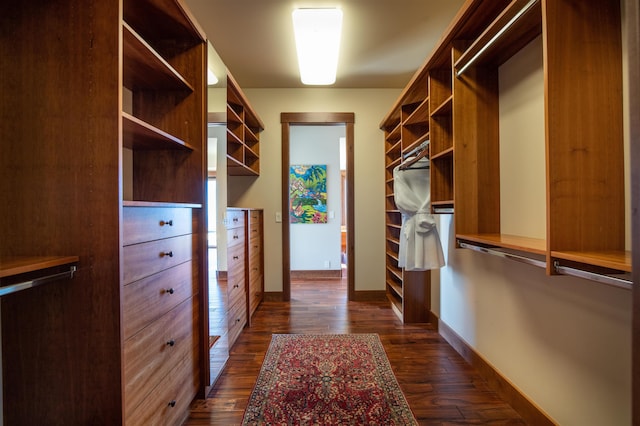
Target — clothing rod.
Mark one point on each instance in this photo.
(593, 276)
(502, 254)
(513, 20)
(442, 210)
(14, 288)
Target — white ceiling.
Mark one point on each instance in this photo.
(383, 41)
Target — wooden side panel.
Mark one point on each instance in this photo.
(476, 149)
(584, 125)
(59, 179)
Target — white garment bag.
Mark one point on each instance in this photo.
(420, 247)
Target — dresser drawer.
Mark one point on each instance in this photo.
(142, 224)
(148, 299)
(235, 218)
(237, 318)
(169, 402)
(235, 236)
(145, 259)
(151, 354)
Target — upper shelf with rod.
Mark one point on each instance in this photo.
(12, 269)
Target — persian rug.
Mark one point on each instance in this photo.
(327, 379)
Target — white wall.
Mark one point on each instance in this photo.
(369, 107)
(313, 246)
(563, 341)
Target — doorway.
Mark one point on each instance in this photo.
(318, 119)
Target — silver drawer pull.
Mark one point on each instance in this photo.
(166, 222)
(167, 253)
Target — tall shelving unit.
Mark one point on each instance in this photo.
(243, 133)
(110, 167)
(583, 140)
(406, 129)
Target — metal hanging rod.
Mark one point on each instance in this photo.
(493, 39)
(511, 256)
(14, 288)
(593, 276)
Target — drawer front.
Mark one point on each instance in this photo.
(168, 403)
(148, 299)
(237, 319)
(145, 259)
(255, 293)
(235, 218)
(152, 354)
(235, 236)
(142, 224)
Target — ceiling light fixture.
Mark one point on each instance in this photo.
(317, 34)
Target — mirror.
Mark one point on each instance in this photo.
(217, 204)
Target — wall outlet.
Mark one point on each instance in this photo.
(278, 217)
(327, 264)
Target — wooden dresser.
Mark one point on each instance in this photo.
(160, 314)
(236, 272)
(245, 272)
(255, 263)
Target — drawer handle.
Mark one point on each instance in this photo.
(170, 290)
(235, 237)
(167, 253)
(172, 403)
(171, 342)
(235, 258)
(236, 285)
(166, 222)
(238, 320)
(235, 219)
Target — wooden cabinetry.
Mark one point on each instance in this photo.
(255, 261)
(243, 133)
(160, 313)
(236, 272)
(245, 273)
(408, 128)
(583, 140)
(109, 166)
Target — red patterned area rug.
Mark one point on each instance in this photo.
(327, 379)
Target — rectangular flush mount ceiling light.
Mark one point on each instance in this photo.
(317, 33)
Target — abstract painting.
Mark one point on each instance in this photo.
(308, 194)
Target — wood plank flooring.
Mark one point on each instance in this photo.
(441, 388)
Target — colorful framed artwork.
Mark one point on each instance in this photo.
(308, 194)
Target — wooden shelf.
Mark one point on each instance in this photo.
(243, 128)
(140, 135)
(524, 244)
(618, 260)
(420, 116)
(16, 265)
(444, 108)
(144, 68)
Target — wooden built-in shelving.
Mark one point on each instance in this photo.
(457, 89)
(243, 133)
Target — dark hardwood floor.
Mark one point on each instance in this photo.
(441, 388)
